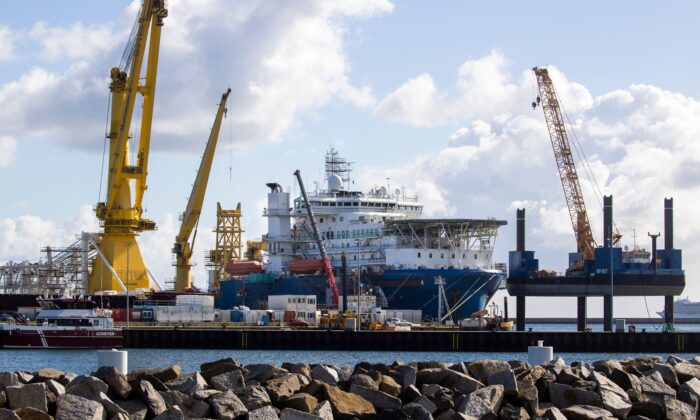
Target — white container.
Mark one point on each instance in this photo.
(119, 359)
(539, 354)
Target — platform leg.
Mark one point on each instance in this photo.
(581, 306)
(607, 313)
(668, 310)
(520, 313)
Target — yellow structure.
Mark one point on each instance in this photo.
(254, 249)
(121, 219)
(183, 247)
(228, 241)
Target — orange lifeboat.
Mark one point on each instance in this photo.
(243, 268)
(302, 266)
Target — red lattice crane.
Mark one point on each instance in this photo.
(565, 163)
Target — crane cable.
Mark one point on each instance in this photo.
(230, 148)
(104, 146)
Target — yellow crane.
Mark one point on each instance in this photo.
(120, 261)
(183, 247)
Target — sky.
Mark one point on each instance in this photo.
(435, 97)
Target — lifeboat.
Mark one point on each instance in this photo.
(243, 268)
(302, 266)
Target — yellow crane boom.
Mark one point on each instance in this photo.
(183, 246)
(121, 220)
(565, 164)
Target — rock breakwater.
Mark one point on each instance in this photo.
(640, 388)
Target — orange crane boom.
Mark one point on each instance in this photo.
(565, 164)
(324, 257)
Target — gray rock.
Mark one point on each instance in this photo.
(30, 395)
(111, 408)
(553, 413)
(347, 404)
(692, 386)
(686, 371)
(481, 370)
(24, 377)
(625, 380)
(137, 409)
(292, 414)
(6, 414)
(567, 376)
(205, 394)
(324, 410)
(8, 379)
(28, 413)
(263, 413)
(451, 415)
(615, 399)
(115, 380)
(120, 417)
(653, 384)
(87, 387)
(482, 401)
(56, 388)
(606, 366)
(586, 412)
(405, 376)
(528, 393)
(172, 413)
(390, 386)
(378, 398)
(45, 374)
(261, 372)
(426, 403)
(677, 410)
(509, 412)
(254, 397)
(673, 360)
(460, 382)
(555, 366)
(416, 412)
(563, 396)
(364, 380)
(190, 384)
(3, 398)
(301, 401)
(325, 374)
(229, 380)
(67, 379)
(227, 406)
(409, 394)
(667, 373)
(648, 409)
(162, 374)
(70, 407)
(283, 387)
(430, 389)
(217, 367)
(154, 401)
(505, 378)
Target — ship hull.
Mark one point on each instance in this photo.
(59, 338)
(471, 289)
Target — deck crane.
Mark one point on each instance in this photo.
(565, 163)
(319, 241)
(121, 219)
(190, 219)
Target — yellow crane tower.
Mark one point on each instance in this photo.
(183, 247)
(120, 261)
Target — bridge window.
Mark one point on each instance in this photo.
(475, 256)
(419, 255)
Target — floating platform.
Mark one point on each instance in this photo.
(425, 341)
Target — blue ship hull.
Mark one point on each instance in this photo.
(471, 289)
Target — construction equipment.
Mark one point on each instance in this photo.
(565, 163)
(328, 268)
(228, 242)
(121, 220)
(183, 247)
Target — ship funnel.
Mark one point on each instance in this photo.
(668, 223)
(520, 230)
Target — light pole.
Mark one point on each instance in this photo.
(359, 278)
(127, 245)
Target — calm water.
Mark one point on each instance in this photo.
(85, 361)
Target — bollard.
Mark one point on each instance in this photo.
(539, 354)
(119, 359)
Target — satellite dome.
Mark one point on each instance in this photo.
(335, 183)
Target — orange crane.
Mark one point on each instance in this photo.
(565, 163)
(319, 241)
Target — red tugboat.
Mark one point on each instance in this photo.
(64, 323)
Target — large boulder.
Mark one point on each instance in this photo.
(460, 382)
(364, 380)
(190, 407)
(416, 411)
(481, 370)
(87, 387)
(283, 387)
(606, 366)
(172, 413)
(218, 367)
(30, 395)
(692, 387)
(227, 406)
(154, 401)
(6, 414)
(115, 380)
(346, 405)
(509, 412)
(302, 402)
(390, 386)
(163, 374)
(54, 387)
(111, 408)
(229, 380)
(262, 372)
(667, 373)
(325, 374)
(45, 374)
(626, 380)
(136, 408)
(405, 375)
(482, 402)
(615, 399)
(263, 413)
(505, 378)
(586, 412)
(28, 413)
(677, 410)
(8, 379)
(254, 397)
(189, 384)
(653, 385)
(563, 396)
(686, 371)
(70, 407)
(649, 409)
(379, 399)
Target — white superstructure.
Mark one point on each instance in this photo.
(684, 308)
(378, 229)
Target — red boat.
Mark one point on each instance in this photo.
(303, 266)
(64, 323)
(243, 268)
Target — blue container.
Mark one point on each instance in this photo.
(237, 316)
(266, 319)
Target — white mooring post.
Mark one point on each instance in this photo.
(539, 354)
(119, 359)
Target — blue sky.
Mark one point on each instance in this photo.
(390, 84)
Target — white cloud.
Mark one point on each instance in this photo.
(282, 61)
(7, 43)
(8, 151)
(641, 142)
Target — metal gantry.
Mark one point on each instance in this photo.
(228, 241)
